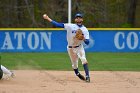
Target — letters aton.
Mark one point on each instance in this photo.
(31, 40)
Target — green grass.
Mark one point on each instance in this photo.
(61, 61)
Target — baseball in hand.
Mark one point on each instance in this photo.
(44, 15)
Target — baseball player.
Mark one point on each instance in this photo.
(75, 39)
(5, 73)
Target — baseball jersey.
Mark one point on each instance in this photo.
(71, 32)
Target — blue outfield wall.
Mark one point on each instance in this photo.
(102, 40)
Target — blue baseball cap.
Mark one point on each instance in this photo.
(79, 15)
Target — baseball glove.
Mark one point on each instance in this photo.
(79, 34)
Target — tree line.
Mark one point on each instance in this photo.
(97, 13)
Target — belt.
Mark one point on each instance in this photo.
(73, 46)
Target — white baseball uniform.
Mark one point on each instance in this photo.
(78, 52)
(6, 73)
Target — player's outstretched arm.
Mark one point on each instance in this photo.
(45, 16)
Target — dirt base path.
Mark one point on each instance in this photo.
(35, 81)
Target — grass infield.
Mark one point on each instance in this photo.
(60, 61)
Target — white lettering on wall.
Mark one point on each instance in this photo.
(123, 40)
(117, 39)
(32, 40)
(19, 38)
(134, 36)
(7, 44)
(46, 39)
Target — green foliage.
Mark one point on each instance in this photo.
(126, 25)
(98, 13)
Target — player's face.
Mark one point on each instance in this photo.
(79, 20)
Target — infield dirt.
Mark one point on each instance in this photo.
(43, 81)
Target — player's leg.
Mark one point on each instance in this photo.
(74, 61)
(1, 72)
(7, 72)
(81, 54)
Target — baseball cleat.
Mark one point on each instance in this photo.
(81, 76)
(12, 74)
(87, 79)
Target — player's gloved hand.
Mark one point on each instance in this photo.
(79, 35)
